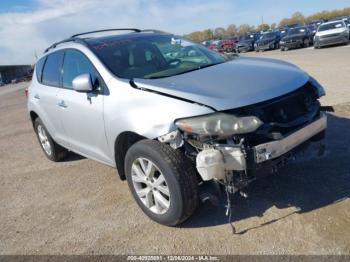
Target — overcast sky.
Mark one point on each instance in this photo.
(27, 27)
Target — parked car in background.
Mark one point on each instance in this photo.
(313, 29)
(215, 45)
(313, 25)
(228, 45)
(296, 38)
(345, 18)
(268, 41)
(292, 25)
(331, 33)
(112, 98)
(283, 31)
(246, 42)
(206, 43)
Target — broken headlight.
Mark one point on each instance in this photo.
(219, 124)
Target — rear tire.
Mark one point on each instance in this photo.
(179, 191)
(51, 149)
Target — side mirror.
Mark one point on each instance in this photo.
(82, 83)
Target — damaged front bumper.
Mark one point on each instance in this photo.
(217, 161)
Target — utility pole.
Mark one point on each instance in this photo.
(262, 20)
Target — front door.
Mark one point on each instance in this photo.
(81, 113)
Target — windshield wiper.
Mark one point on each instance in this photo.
(190, 70)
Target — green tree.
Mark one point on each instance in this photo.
(263, 27)
(219, 32)
(243, 29)
(208, 34)
(231, 30)
(196, 36)
(297, 18)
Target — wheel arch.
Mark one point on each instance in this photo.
(33, 115)
(121, 146)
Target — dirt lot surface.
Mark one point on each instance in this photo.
(81, 207)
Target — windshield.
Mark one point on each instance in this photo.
(246, 37)
(331, 26)
(268, 35)
(153, 56)
(296, 31)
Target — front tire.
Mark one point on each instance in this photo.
(51, 149)
(162, 181)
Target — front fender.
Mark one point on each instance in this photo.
(145, 113)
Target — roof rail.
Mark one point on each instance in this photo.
(71, 39)
(107, 30)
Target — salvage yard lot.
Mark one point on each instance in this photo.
(81, 207)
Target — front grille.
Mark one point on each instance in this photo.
(286, 113)
(331, 35)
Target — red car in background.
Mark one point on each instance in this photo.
(229, 44)
(226, 45)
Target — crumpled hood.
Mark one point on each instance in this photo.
(240, 82)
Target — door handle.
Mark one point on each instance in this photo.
(62, 104)
(36, 96)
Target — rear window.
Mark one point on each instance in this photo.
(39, 68)
(52, 73)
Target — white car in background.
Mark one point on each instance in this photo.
(331, 33)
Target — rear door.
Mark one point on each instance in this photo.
(81, 113)
(48, 72)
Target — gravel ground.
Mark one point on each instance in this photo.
(81, 207)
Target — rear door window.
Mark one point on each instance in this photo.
(52, 69)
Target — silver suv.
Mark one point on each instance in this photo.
(176, 119)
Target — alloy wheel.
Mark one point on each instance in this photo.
(150, 185)
(44, 140)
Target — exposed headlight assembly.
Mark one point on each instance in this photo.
(219, 124)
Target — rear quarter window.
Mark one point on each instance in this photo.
(52, 70)
(39, 68)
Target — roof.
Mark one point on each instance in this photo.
(88, 41)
